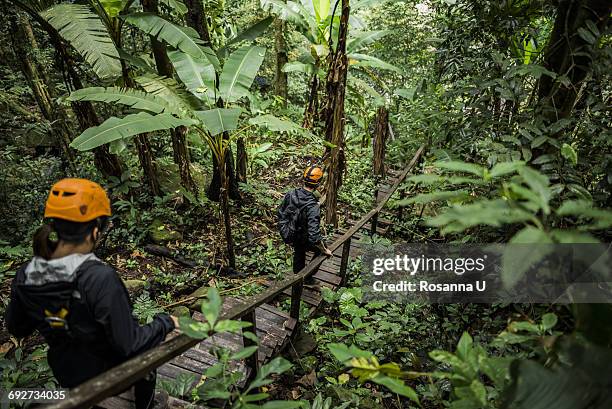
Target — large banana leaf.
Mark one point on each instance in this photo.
(276, 124)
(118, 128)
(296, 13)
(170, 90)
(184, 38)
(176, 5)
(364, 60)
(239, 72)
(198, 75)
(78, 25)
(249, 34)
(363, 39)
(296, 66)
(126, 96)
(219, 120)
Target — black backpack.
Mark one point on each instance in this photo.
(289, 217)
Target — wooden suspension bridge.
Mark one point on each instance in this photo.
(180, 354)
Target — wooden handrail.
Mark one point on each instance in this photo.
(119, 378)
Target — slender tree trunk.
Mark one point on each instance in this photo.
(196, 19)
(231, 256)
(280, 80)
(143, 146)
(312, 106)
(568, 53)
(178, 135)
(25, 45)
(241, 161)
(380, 140)
(334, 122)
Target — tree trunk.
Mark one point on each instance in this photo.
(334, 121)
(143, 146)
(380, 139)
(241, 161)
(179, 141)
(196, 19)
(24, 45)
(226, 218)
(280, 80)
(312, 106)
(214, 189)
(568, 54)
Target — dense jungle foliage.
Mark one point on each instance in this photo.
(197, 116)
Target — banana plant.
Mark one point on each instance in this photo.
(317, 21)
(164, 104)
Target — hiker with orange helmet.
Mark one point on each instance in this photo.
(77, 302)
(299, 220)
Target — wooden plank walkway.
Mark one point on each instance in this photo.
(274, 327)
(183, 355)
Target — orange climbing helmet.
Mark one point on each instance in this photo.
(77, 200)
(313, 175)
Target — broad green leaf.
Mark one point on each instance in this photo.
(117, 128)
(112, 7)
(461, 167)
(197, 74)
(397, 386)
(539, 183)
(275, 124)
(549, 320)
(297, 66)
(192, 328)
(239, 71)
(321, 9)
(244, 353)
(277, 366)
(233, 326)
(363, 39)
(569, 153)
(85, 32)
(126, 96)
(219, 120)
(212, 306)
(364, 60)
(407, 93)
(464, 346)
(184, 38)
(250, 33)
(504, 168)
(587, 36)
(170, 90)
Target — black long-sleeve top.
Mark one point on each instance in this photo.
(102, 330)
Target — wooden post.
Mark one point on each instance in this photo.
(296, 298)
(374, 224)
(252, 361)
(375, 216)
(346, 247)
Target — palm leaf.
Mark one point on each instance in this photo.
(197, 75)
(239, 72)
(364, 60)
(184, 38)
(170, 90)
(126, 96)
(78, 25)
(363, 39)
(118, 128)
(249, 34)
(296, 66)
(219, 120)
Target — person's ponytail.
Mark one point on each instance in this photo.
(42, 244)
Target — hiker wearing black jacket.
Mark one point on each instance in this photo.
(307, 235)
(77, 302)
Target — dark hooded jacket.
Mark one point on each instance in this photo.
(101, 331)
(309, 222)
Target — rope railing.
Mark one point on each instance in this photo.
(121, 377)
